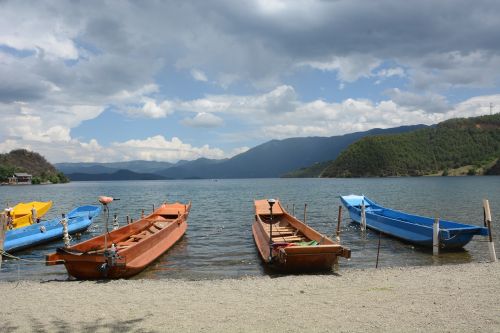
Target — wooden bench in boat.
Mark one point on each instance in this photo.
(283, 233)
(161, 224)
(289, 239)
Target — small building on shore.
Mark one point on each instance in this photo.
(21, 178)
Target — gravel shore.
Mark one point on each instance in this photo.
(451, 298)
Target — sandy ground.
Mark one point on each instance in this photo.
(453, 298)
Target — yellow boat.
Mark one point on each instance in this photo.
(22, 212)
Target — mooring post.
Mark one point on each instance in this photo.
(128, 219)
(142, 214)
(3, 226)
(66, 238)
(116, 225)
(378, 248)
(153, 207)
(293, 210)
(305, 213)
(491, 245)
(337, 233)
(363, 216)
(435, 237)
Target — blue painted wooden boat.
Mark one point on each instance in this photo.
(414, 229)
(79, 219)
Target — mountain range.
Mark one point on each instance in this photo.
(271, 159)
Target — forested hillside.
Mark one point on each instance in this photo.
(22, 160)
(464, 142)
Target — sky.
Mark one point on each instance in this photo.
(105, 81)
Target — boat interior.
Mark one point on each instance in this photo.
(283, 231)
(154, 225)
(127, 235)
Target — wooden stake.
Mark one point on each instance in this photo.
(337, 238)
(3, 226)
(378, 248)
(128, 219)
(142, 214)
(305, 213)
(435, 237)
(491, 245)
(363, 216)
(153, 207)
(293, 210)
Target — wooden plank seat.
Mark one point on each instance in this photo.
(284, 228)
(153, 230)
(160, 225)
(282, 233)
(289, 239)
(126, 243)
(141, 235)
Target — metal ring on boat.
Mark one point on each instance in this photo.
(42, 229)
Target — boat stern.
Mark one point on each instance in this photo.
(53, 259)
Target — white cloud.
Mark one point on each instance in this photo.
(152, 110)
(389, 72)
(447, 70)
(349, 68)
(160, 149)
(279, 100)
(203, 119)
(198, 75)
(237, 151)
(431, 103)
(45, 37)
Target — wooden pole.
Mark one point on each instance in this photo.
(484, 216)
(142, 214)
(305, 213)
(3, 225)
(128, 219)
(293, 210)
(339, 220)
(153, 207)
(378, 248)
(363, 216)
(435, 237)
(491, 245)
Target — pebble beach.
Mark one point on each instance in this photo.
(448, 298)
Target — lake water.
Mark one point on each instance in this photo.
(219, 243)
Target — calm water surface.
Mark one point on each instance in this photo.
(219, 243)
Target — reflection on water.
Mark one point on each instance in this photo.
(219, 243)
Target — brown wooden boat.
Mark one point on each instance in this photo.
(294, 246)
(126, 251)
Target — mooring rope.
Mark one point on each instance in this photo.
(11, 256)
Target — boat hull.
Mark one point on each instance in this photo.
(46, 231)
(288, 256)
(22, 216)
(128, 250)
(414, 229)
(124, 266)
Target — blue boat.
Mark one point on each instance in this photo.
(79, 219)
(414, 229)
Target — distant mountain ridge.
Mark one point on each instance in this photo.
(137, 166)
(117, 175)
(268, 160)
